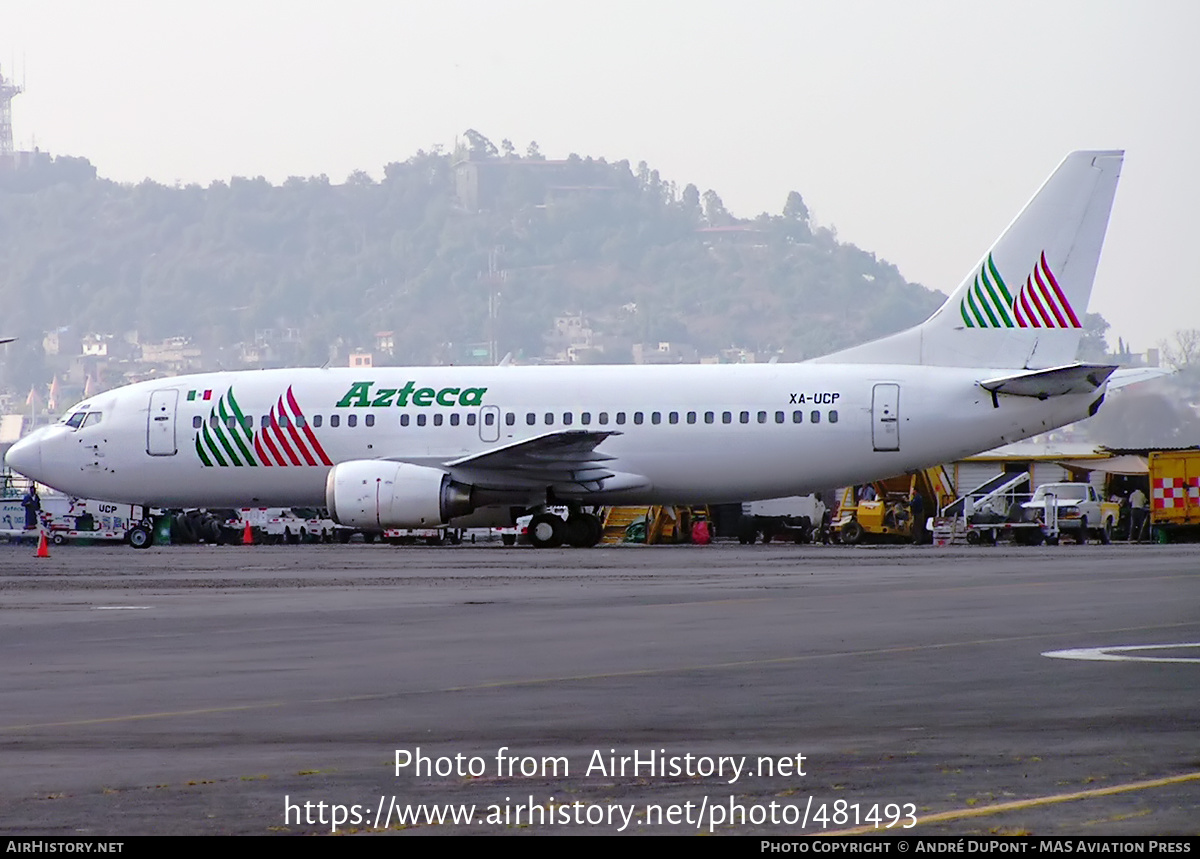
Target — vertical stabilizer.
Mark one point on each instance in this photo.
(1024, 303)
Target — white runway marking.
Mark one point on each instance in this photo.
(1117, 654)
(118, 607)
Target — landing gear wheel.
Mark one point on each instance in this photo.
(583, 530)
(547, 531)
(139, 537)
(852, 533)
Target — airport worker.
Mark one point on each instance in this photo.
(1138, 510)
(33, 506)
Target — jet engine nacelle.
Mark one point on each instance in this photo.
(372, 493)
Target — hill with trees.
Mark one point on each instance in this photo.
(424, 252)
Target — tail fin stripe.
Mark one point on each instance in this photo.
(987, 306)
(991, 265)
(975, 310)
(1001, 307)
(1066, 305)
(1040, 318)
(1060, 321)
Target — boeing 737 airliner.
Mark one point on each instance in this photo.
(394, 447)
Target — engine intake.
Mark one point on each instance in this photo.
(372, 493)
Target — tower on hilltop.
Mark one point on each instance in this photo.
(8, 91)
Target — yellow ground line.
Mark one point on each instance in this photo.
(606, 675)
(1017, 805)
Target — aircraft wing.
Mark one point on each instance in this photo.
(567, 459)
(1054, 382)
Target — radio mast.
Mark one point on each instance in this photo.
(8, 91)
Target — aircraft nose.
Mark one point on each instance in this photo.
(25, 457)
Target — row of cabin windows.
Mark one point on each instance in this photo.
(282, 421)
(531, 419)
(638, 418)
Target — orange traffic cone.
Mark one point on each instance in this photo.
(248, 536)
(43, 549)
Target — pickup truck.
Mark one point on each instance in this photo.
(1080, 510)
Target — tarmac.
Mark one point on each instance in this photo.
(781, 690)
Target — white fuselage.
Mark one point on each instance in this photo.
(695, 433)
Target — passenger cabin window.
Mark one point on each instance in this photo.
(585, 418)
(471, 419)
(404, 420)
(351, 420)
(833, 416)
(797, 417)
(335, 420)
(454, 419)
(815, 417)
(316, 421)
(420, 420)
(620, 417)
(437, 419)
(369, 420)
(510, 419)
(197, 422)
(568, 419)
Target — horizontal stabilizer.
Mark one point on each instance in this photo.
(1133, 375)
(1054, 382)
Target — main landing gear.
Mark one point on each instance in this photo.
(548, 530)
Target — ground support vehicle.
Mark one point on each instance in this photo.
(284, 525)
(1074, 508)
(428, 536)
(66, 519)
(798, 518)
(987, 513)
(891, 510)
(1174, 495)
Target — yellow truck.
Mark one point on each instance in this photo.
(1174, 494)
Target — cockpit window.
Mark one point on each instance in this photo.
(75, 420)
(92, 419)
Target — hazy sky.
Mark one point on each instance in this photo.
(917, 129)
